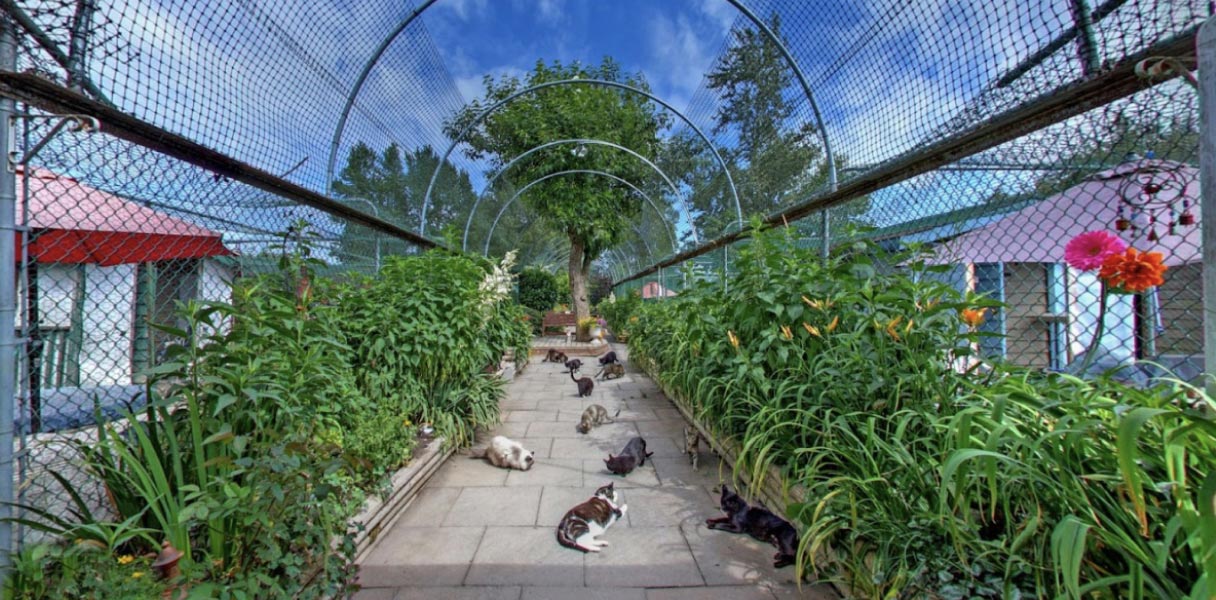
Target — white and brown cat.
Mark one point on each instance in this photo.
(581, 524)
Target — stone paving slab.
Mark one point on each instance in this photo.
(524, 555)
(652, 557)
(477, 532)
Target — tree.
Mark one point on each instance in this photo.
(394, 183)
(594, 213)
(777, 159)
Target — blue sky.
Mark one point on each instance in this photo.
(673, 42)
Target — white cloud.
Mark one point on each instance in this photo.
(463, 9)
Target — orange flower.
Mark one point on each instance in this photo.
(973, 317)
(833, 324)
(811, 329)
(891, 328)
(734, 340)
(1133, 270)
(786, 333)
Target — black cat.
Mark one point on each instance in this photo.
(574, 364)
(633, 456)
(609, 358)
(585, 385)
(759, 523)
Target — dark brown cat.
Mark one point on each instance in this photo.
(574, 364)
(581, 524)
(555, 356)
(609, 358)
(633, 456)
(585, 385)
(759, 523)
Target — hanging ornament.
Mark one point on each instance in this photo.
(1121, 222)
(1156, 188)
(1187, 218)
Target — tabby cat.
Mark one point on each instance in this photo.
(594, 416)
(616, 370)
(555, 356)
(581, 524)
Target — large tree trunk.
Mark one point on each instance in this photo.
(579, 269)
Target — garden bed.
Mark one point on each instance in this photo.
(379, 513)
(773, 490)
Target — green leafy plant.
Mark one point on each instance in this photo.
(537, 289)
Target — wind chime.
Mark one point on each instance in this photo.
(1153, 199)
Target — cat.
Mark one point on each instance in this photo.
(594, 415)
(574, 364)
(506, 454)
(633, 456)
(585, 385)
(581, 524)
(555, 356)
(609, 359)
(692, 445)
(758, 522)
(616, 370)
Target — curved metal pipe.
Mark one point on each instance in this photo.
(520, 191)
(489, 185)
(358, 87)
(833, 182)
(738, 4)
(426, 201)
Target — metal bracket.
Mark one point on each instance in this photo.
(74, 123)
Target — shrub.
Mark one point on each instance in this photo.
(537, 289)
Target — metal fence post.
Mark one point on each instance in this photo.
(1207, 170)
(8, 293)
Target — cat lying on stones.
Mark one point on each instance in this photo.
(581, 524)
(758, 522)
(506, 454)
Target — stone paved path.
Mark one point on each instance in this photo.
(479, 532)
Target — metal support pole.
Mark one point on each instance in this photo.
(1087, 42)
(1207, 170)
(8, 294)
(825, 247)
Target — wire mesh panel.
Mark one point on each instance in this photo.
(944, 117)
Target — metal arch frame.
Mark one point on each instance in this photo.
(426, 201)
(617, 261)
(490, 184)
(526, 187)
(833, 181)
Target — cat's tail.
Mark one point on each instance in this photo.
(478, 452)
(601, 372)
(563, 538)
(614, 415)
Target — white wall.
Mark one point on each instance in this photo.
(109, 321)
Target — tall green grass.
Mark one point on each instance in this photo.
(927, 473)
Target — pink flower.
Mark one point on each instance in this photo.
(1088, 250)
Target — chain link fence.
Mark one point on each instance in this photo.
(989, 132)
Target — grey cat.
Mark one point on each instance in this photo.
(594, 416)
(581, 524)
(633, 456)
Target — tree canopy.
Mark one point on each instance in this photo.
(594, 213)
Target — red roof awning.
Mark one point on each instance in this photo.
(74, 223)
